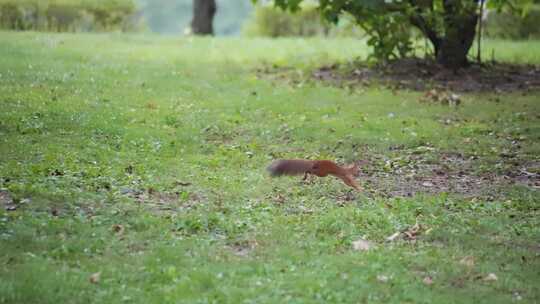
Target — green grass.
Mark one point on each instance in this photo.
(87, 121)
(522, 52)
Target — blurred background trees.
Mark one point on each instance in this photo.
(70, 15)
(450, 26)
(174, 16)
(232, 18)
(390, 30)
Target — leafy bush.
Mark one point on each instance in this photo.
(69, 15)
(268, 21)
(17, 15)
(509, 26)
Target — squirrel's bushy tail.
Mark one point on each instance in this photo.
(289, 167)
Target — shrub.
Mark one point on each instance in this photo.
(69, 15)
(268, 21)
(17, 15)
(509, 26)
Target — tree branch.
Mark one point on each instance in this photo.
(420, 22)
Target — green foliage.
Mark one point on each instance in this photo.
(390, 37)
(389, 23)
(510, 26)
(69, 15)
(389, 31)
(268, 21)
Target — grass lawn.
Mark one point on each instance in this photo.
(132, 170)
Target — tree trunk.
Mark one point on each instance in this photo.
(203, 17)
(460, 18)
(460, 29)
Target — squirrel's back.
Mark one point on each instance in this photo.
(320, 168)
(290, 167)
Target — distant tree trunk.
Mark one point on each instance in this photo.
(203, 17)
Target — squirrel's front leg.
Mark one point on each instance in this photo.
(308, 178)
(349, 180)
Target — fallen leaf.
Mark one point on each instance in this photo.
(491, 277)
(118, 229)
(362, 245)
(454, 99)
(427, 184)
(129, 169)
(382, 278)
(279, 199)
(56, 172)
(393, 236)
(415, 229)
(428, 280)
(7, 201)
(94, 278)
(151, 105)
(409, 234)
(467, 261)
(412, 232)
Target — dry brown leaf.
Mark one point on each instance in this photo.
(491, 277)
(7, 200)
(413, 231)
(393, 237)
(409, 234)
(279, 198)
(151, 105)
(428, 280)
(118, 229)
(382, 278)
(94, 278)
(362, 245)
(467, 261)
(441, 96)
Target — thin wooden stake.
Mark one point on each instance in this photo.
(480, 19)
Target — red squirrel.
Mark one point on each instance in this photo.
(320, 168)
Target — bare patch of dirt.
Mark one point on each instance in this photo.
(243, 248)
(527, 174)
(164, 200)
(445, 172)
(420, 75)
(6, 201)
